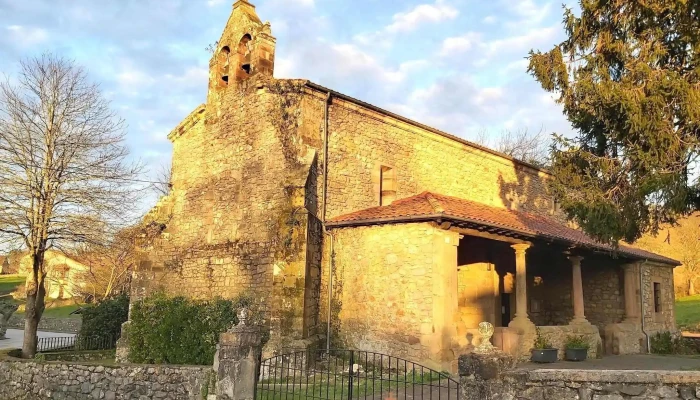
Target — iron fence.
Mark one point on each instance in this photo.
(76, 343)
(350, 374)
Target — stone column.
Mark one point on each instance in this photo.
(631, 289)
(237, 361)
(521, 320)
(577, 284)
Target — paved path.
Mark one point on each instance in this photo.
(649, 362)
(14, 338)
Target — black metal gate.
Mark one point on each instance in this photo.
(350, 374)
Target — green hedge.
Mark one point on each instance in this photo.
(105, 319)
(178, 330)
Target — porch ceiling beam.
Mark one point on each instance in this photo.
(491, 236)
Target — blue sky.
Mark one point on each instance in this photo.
(458, 65)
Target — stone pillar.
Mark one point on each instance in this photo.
(6, 310)
(631, 290)
(237, 361)
(577, 284)
(521, 321)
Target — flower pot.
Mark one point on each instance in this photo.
(544, 355)
(576, 354)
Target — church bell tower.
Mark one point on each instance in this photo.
(246, 49)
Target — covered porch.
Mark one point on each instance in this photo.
(521, 285)
(416, 278)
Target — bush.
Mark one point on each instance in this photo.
(178, 330)
(577, 342)
(541, 342)
(666, 343)
(105, 319)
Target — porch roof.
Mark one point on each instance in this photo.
(429, 206)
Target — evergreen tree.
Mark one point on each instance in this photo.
(628, 78)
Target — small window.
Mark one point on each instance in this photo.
(387, 187)
(657, 297)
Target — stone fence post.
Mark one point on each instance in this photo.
(237, 360)
(481, 376)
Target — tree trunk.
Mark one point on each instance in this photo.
(691, 287)
(33, 311)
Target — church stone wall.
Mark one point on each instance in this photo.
(390, 289)
(362, 141)
(236, 221)
(665, 318)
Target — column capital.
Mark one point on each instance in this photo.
(521, 248)
(575, 259)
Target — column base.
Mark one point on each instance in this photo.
(579, 321)
(522, 324)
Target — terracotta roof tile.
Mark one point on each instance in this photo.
(431, 206)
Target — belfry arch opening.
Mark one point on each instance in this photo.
(244, 55)
(224, 62)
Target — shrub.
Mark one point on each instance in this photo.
(541, 342)
(577, 342)
(666, 343)
(178, 330)
(105, 319)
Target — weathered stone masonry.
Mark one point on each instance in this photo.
(26, 380)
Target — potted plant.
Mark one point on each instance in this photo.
(576, 348)
(542, 351)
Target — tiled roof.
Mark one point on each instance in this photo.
(431, 206)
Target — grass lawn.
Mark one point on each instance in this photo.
(8, 283)
(688, 313)
(58, 312)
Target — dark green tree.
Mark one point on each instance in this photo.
(628, 78)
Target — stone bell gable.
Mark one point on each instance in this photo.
(246, 49)
(237, 218)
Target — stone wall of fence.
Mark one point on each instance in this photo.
(30, 380)
(60, 325)
(494, 377)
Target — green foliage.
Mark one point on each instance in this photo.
(105, 319)
(688, 313)
(628, 79)
(180, 331)
(666, 343)
(541, 342)
(577, 342)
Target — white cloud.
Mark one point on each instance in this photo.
(489, 19)
(410, 20)
(27, 36)
(528, 12)
(348, 60)
(460, 44)
(214, 3)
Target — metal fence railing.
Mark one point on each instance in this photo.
(76, 343)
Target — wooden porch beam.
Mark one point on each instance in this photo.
(491, 236)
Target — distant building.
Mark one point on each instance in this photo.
(4, 265)
(65, 277)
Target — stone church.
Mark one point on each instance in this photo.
(352, 224)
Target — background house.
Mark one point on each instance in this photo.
(65, 277)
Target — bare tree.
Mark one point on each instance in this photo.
(64, 169)
(533, 148)
(163, 180)
(110, 264)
